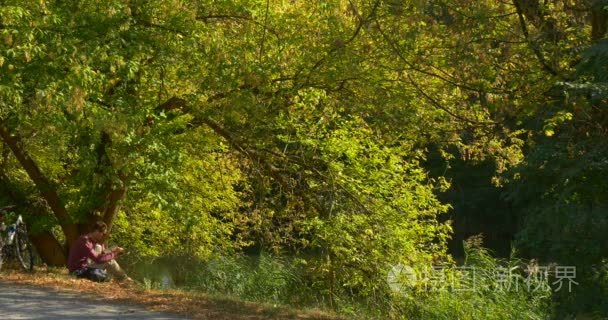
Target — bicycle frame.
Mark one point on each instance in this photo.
(16, 243)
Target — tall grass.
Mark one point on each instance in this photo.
(263, 278)
(281, 280)
(500, 289)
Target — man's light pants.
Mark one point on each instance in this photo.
(111, 266)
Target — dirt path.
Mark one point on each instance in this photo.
(46, 294)
(28, 302)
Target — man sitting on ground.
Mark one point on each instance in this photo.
(87, 259)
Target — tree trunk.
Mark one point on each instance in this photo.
(46, 188)
(599, 21)
(49, 249)
(113, 206)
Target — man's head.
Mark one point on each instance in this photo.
(98, 231)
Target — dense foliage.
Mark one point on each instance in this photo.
(326, 131)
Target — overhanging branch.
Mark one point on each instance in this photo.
(46, 188)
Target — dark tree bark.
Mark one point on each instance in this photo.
(49, 249)
(46, 188)
(113, 204)
(111, 194)
(599, 21)
(532, 11)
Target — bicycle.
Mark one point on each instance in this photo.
(16, 243)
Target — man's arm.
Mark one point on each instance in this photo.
(103, 257)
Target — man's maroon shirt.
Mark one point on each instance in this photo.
(83, 249)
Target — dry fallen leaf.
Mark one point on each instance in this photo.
(191, 304)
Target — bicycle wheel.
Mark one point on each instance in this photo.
(24, 250)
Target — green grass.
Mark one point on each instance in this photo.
(284, 281)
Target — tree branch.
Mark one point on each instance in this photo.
(533, 46)
(256, 157)
(442, 107)
(334, 48)
(238, 18)
(412, 66)
(112, 194)
(113, 202)
(46, 188)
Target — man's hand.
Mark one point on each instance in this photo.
(118, 250)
